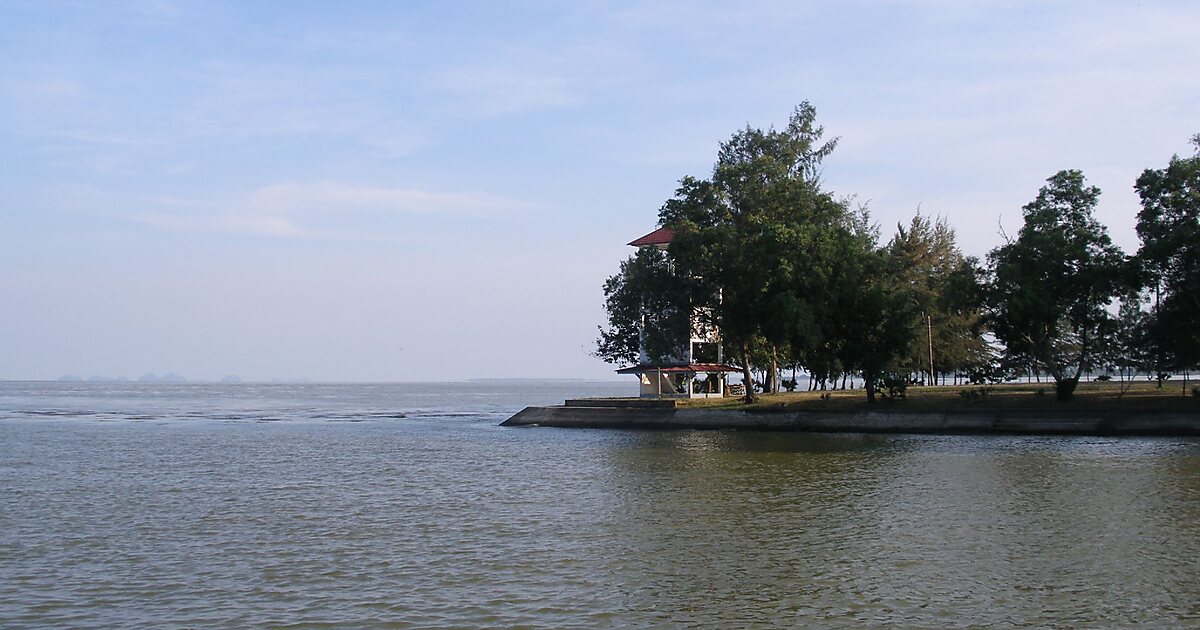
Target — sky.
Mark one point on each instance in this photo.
(421, 191)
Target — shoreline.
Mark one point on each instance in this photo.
(959, 421)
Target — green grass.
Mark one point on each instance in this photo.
(1138, 396)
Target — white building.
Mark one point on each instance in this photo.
(700, 370)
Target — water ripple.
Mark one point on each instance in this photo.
(448, 521)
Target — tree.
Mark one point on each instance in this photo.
(737, 234)
(1169, 228)
(1050, 286)
(944, 286)
(647, 305)
(1125, 350)
(875, 308)
(786, 271)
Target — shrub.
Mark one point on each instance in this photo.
(894, 386)
(789, 384)
(975, 395)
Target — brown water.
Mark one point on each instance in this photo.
(300, 506)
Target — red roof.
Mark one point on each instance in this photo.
(661, 236)
(691, 367)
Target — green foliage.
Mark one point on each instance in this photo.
(946, 292)
(747, 235)
(1169, 228)
(980, 394)
(647, 307)
(1050, 286)
(1123, 348)
(893, 386)
(875, 314)
(791, 275)
(987, 373)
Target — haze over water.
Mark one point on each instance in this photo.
(406, 506)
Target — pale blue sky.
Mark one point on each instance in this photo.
(429, 191)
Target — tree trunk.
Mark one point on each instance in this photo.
(773, 377)
(1065, 388)
(747, 378)
(869, 383)
(1158, 358)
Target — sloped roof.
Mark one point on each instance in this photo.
(661, 236)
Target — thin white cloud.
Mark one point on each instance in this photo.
(322, 210)
(329, 198)
(495, 89)
(260, 225)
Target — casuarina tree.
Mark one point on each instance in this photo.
(738, 234)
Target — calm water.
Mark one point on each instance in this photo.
(406, 506)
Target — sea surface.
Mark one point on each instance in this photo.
(406, 506)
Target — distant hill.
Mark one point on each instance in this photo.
(519, 380)
(169, 377)
(231, 378)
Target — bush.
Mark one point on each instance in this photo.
(984, 374)
(894, 387)
(789, 384)
(975, 395)
(1041, 391)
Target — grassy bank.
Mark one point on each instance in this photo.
(1108, 396)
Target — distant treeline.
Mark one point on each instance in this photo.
(796, 278)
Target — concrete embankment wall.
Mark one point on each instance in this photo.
(982, 421)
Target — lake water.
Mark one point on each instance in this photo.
(406, 506)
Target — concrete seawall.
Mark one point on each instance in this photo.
(882, 421)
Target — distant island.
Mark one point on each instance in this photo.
(169, 377)
(149, 377)
(527, 380)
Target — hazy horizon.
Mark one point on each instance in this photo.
(418, 193)
(68, 378)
